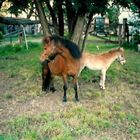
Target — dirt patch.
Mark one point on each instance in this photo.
(19, 98)
(15, 99)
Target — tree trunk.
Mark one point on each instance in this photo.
(78, 29)
(1, 1)
(71, 17)
(42, 17)
(120, 34)
(60, 17)
(87, 31)
(30, 12)
(53, 16)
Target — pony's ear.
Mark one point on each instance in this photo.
(46, 40)
(121, 49)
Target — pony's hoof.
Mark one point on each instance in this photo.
(64, 100)
(47, 91)
(103, 88)
(52, 89)
(43, 89)
(76, 100)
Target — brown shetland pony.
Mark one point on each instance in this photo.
(60, 57)
(102, 62)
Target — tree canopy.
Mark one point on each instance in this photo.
(69, 17)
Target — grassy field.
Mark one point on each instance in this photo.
(27, 113)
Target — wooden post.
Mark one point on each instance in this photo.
(138, 47)
(120, 34)
(25, 37)
(124, 29)
(20, 38)
(127, 33)
(11, 26)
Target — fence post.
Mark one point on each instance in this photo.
(125, 30)
(11, 41)
(120, 34)
(20, 34)
(25, 37)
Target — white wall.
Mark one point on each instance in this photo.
(125, 13)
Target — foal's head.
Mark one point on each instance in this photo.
(120, 56)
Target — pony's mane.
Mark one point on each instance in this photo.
(72, 47)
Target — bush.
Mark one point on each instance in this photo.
(1, 36)
(131, 46)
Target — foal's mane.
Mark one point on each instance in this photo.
(115, 50)
(72, 47)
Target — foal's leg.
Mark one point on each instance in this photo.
(103, 78)
(65, 88)
(75, 82)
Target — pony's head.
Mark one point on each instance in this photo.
(120, 56)
(50, 50)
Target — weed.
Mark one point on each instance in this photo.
(121, 116)
(7, 137)
(55, 128)
(8, 95)
(132, 130)
(132, 118)
(82, 129)
(104, 138)
(62, 137)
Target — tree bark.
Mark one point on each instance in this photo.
(42, 18)
(71, 18)
(53, 16)
(87, 31)
(60, 17)
(31, 11)
(78, 29)
(1, 1)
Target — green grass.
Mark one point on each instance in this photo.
(103, 115)
(15, 39)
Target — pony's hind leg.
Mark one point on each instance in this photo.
(75, 82)
(65, 88)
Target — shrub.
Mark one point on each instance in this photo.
(1, 36)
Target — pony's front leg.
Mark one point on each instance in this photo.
(65, 88)
(75, 82)
(52, 88)
(46, 78)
